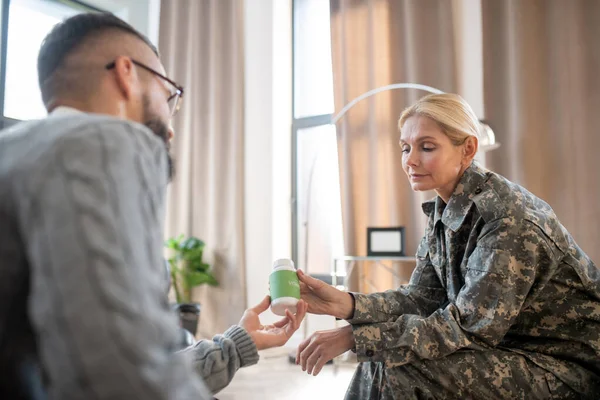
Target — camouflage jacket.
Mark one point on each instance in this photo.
(495, 269)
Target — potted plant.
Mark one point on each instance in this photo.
(188, 270)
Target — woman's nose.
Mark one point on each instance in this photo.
(412, 159)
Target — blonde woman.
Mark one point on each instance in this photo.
(502, 302)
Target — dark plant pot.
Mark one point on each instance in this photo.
(189, 315)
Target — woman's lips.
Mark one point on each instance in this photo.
(416, 177)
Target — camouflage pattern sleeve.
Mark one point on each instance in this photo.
(499, 274)
(422, 296)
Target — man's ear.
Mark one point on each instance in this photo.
(470, 148)
(126, 76)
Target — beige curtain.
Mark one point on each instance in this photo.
(542, 97)
(376, 43)
(201, 46)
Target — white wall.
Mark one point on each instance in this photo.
(469, 55)
(469, 52)
(267, 149)
(144, 15)
(282, 138)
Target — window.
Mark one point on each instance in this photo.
(313, 72)
(23, 26)
(317, 219)
(25, 23)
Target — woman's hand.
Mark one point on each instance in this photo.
(320, 347)
(267, 336)
(324, 299)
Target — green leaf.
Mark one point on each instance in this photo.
(201, 267)
(193, 254)
(172, 244)
(187, 267)
(200, 278)
(192, 243)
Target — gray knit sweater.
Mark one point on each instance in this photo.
(82, 308)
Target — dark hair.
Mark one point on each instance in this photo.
(66, 36)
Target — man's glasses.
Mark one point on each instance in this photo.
(176, 97)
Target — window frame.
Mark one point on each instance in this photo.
(297, 125)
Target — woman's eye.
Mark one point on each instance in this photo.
(405, 149)
(428, 148)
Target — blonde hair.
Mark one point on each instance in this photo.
(450, 111)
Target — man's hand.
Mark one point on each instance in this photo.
(267, 336)
(314, 352)
(324, 299)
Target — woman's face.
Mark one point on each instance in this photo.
(429, 158)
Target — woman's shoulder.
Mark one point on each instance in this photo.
(501, 199)
(511, 199)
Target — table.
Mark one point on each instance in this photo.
(350, 263)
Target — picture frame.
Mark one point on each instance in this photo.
(386, 242)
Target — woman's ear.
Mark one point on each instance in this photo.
(470, 148)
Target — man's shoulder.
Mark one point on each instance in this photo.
(54, 128)
(27, 143)
(32, 151)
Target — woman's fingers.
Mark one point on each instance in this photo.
(304, 289)
(320, 364)
(303, 345)
(314, 283)
(307, 352)
(313, 345)
(321, 347)
(311, 361)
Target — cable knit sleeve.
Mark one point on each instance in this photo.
(94, 243)
(217, 360)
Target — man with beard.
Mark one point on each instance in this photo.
(83, 313)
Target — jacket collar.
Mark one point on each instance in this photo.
(453, 214)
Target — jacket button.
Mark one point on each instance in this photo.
(370, 353)
(478, 190)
